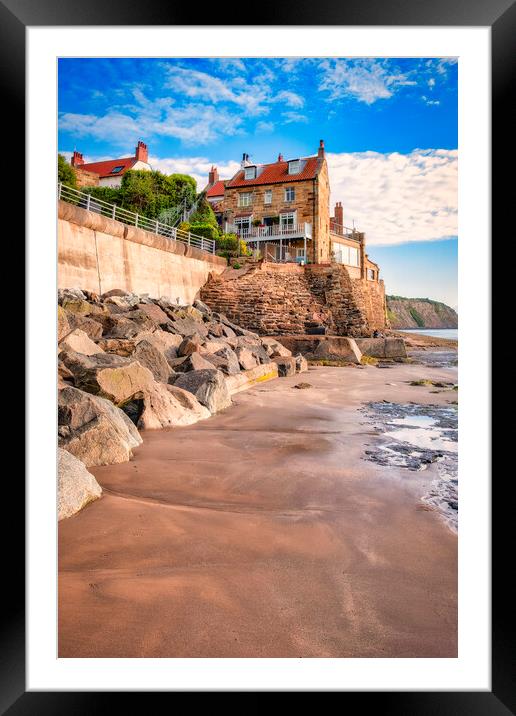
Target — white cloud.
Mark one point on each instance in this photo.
(265, 127)
(196, 167)
(367, 80)
(397, 198)
(290, 98)
(289, 117)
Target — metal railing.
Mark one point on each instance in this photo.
(112, 211)
(274, 231)
(345, 231)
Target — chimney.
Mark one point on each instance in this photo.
(245, 160)
(142, 153)
(77, 159)
(339, 214)
(213, 176)
(280, 157)
(320, 152)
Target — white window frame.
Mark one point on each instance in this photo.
(284, 218)
(354, 257)
(252, 170)
(267, 194)
(287, 190)
(294, 166)
(245, 199)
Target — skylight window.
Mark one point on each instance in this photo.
(117, 169)
(250, 173)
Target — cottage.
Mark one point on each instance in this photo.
(111, 171)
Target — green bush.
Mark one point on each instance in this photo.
(65, 172)
(106, 193)
(205, 229)
(204, 213)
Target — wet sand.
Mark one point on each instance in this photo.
(262, 532)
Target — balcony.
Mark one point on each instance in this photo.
(273, 232)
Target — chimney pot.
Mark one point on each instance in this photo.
(142, 153)
(320, 151)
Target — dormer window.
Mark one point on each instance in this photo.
(115, 170)
(294, 166)
(250, 173)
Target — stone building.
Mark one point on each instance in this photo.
(111, 171)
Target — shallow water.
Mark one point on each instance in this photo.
(451, 333)
(415, 437)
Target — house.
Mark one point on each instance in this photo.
(111, 171)
(282, 211)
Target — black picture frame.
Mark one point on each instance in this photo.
(500, 15)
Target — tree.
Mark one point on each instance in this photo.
(151, 193)
(204, 214)
(65, 172)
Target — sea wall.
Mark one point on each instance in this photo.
(98, 254)
(276, 299)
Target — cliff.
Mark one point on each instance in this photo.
(420, 313)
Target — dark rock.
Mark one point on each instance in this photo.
(208, 386)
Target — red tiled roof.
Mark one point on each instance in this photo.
(276, 173)
(217, 189)
(105, 169)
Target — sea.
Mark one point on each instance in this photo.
(451, 333)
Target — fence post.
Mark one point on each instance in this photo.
(113, 213)
(136, 221)
(188, 238)
(88, 202)
(202, 243)
(59, 187)
(157, 227)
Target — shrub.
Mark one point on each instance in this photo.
(204, 214)
(184, 226)
(206, 230)
(65, 172)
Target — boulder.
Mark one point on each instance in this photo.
(127, 301)
(115, 292)
(91, 327)
(195, 361)
(208, 386)
(119, 346)
(76, 487)
(63, 326)
(382, 347)
(93, 429)
(274, 348)
(301, 363)
(246, 359)
(78, 341)
(127, 325)
(338, 348)
(286, 366)
(202, 307)
(152, 358)
(225, 360)
(166, 406)
(154, 312)
(213, 345)
(187, 327)
(70, 294)
(247, 378)
(113, 377)
(190, 345)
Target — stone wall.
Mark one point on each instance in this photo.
(98, 254)
(277, 299)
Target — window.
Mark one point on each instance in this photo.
(294, 166)
(243, 225)
(115, 170)
(290, 193)
(353, 257)
(267, 197)
(250, 173)
(245, 199)
(287, 221)
(370, 274)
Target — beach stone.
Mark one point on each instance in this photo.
(166, 406)
(93, 429)
(70, 294)
(208, 386)
(214, 345)
(119, 346)
(114, 292)
(152, 358)
(154, 312)
(80, 342)
(187, 327)
(286, 366)
(246, 359)
(76, 487)
(338, 347)
(63, 326)
(274, 348)
(91, 327)
(195, 361)
(225, 360)
(301, 363)
(202, 307)
(190, 345)
(111, 376)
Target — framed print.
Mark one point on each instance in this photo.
(237, 205)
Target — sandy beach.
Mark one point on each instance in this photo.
(263, 532)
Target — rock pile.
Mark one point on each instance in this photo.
(127, 362)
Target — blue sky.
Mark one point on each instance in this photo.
(389, 125)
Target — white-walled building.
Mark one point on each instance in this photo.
(111, 171)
